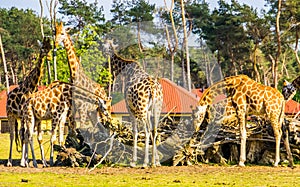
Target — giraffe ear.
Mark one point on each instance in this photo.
(68, 30)
(285, 83)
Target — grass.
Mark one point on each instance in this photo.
(205, 175)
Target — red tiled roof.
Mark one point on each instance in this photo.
(174, 96)
(3, 98)
(292, 107)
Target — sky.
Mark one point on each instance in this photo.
(34, 4)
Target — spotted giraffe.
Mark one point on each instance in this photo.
(17, 96)
(79, 78)
(144, 98)
(55, 103)
(247, 97)
(290, 89)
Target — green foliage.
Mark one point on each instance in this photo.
(116, 96)
(81, 13)
(91, 56)
(22, 30)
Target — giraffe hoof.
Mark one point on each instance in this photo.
(145, 166)
(241, 164)
(9, 164)
(132, 164)
(24, 165)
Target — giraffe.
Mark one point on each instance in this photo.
(289, 89)
(77, 75)
(56, 103)
(17, 96)
(247, 97)
(144, 98)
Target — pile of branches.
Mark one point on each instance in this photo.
(219, 142)
(76, 152)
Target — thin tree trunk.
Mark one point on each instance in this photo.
(296, 46)
(275, 65)
(185, 43)
(52, 9)
(175, 46)
(4, 65)
(41, 18)
(257, 75)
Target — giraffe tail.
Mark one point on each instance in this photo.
(17, 139)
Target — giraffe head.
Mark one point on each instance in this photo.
(45, 46)
(60, 33)
(104, 109)
(198, 116)
(288, 90)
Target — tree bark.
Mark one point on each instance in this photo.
(275, 65)
(175, 46)
(185, 43)
(4, 65)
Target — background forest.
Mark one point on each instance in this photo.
(183, 41)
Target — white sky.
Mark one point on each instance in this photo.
(34, 4)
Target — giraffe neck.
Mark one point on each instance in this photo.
(31, 81)
(73, 61)
(121, 65)
(296, 83)
(223, 87)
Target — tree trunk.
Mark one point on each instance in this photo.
(53, 5)
(4, 65)
(296, 46)
(185, 44)
(175, 46)
(257, 75)
(275, 65)
(41, 18)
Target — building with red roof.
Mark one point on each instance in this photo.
(3, 115)
(177, 102)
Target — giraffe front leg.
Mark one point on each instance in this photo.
(243, 137)
(134, 152)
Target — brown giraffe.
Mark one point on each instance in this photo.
(54, 102)
(247, 97)
(290, 89)
(17, 96)
(144, 98)
(78, 77)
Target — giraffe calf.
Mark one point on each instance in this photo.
(55, 103)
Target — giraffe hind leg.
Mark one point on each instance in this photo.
(12, 124)
(135, 135)
(40, 141)
(147, 138)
